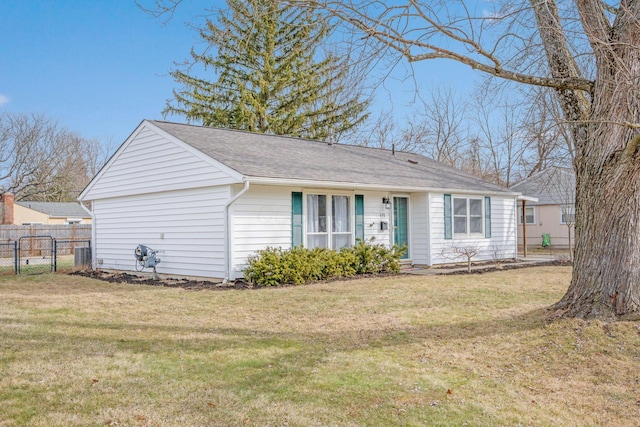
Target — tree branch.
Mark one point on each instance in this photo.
(595, 22)
(397, 28)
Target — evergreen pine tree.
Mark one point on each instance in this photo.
(269, 77)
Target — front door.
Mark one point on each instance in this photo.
(401, 223)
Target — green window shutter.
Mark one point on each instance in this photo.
(448, 226)
(296, 219)
(360, 217)
(487, 216)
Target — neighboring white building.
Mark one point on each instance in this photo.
(207, 198)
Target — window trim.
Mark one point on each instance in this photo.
(572, 212)
(327, 213)
(533, 208)
(350, 221)
(329, 206)
(468, 216)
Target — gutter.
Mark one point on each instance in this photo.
(376, 187)
(227, 231)
(527, 198)
(93, 232)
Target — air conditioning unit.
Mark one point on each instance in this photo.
(81, 256)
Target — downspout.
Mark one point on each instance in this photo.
(93, 233)
(524, 227)
(227, 231)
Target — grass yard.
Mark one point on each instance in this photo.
(444, 350)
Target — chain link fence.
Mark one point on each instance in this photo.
(9, 257)
(71, 254)
(43, 254)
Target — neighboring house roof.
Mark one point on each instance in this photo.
(286, 158)
(552, 186)
(56, 209)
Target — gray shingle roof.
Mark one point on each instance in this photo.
(553, 186)
(56, 209)
(270, 156)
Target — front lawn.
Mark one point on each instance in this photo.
(443, 350)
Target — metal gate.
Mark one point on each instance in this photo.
(35, 255)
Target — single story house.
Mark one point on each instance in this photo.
(206, 199)
(553, 213)
(41, 213)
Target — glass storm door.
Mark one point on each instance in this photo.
(401, 223)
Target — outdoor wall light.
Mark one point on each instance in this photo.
(386, 202)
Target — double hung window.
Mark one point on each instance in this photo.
(317, 235)
(467, 216)
(529, 215)
(340, 222)
(567, 214)
(328, 221)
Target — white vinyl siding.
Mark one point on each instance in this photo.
(262, 217)
(374, 214)
(419, 229)
(259, 218)
(502, 243)
(150, 163)
(186, 228)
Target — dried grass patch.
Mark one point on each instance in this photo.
(407, 350)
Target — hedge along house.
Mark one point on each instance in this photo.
(206, 199)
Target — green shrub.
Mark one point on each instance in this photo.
(376, 258)
(275, 266)
(266, 267)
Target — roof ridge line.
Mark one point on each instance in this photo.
(317, 141)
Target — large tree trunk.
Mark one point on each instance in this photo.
(603, 116)
(606, 269)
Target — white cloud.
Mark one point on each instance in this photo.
(490, 14)
(3, 100)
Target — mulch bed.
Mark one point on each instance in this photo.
(491, 266)
(197, 285)
(189, 284)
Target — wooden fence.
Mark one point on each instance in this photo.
(10, 233)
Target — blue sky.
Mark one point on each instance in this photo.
(99, 67)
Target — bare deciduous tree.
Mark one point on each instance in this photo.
(436, 127)
(464, 252)
(502, 143)
(443, 115)
(548, 137)
(539, 43)
(560, 185)
(489, 136)
(41, 161)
